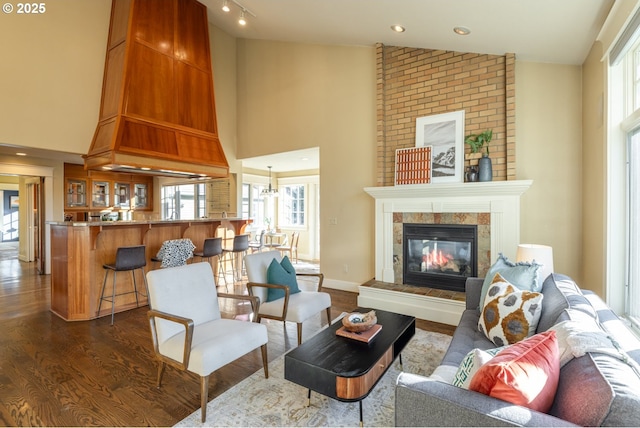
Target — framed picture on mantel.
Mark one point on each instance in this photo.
(445, 134)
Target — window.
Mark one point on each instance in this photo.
(253, 205)
(258, 206)
(293, 205)
(185, 201)
(633, 246)
(624, 181)
(245, 200)
(636, 79)
(632, 257)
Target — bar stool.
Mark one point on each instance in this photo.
(127, 259)
(240, 246)
(212, 248)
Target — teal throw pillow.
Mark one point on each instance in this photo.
(281, 273)
(523, 275)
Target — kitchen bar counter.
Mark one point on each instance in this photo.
(79, 249)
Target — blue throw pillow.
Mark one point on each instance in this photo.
(523, 275)
(281, 273)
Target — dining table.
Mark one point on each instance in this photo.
(270, 235)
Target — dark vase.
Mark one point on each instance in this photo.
(472, 174)
(485, 173)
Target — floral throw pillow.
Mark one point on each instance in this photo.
(509, 315)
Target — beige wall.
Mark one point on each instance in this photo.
(223, 58)
(594, 158)
(273, 97)
(51, 75)
(57, 205)
(549, 151)
(548, 136)
(294, 96)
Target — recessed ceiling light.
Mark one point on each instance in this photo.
(398, 28)
(21, 154)
(461, 31)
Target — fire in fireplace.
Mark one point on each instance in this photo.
(439, 256)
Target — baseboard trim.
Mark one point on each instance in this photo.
(424, 307)
(341, 285)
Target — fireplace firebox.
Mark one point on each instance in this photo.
(439, 256)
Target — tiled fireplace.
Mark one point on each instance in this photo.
(494, 207)
(437, 255)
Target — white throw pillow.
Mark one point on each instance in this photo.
(471, 363)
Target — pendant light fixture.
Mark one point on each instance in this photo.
(270, 192)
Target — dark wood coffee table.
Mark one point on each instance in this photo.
(346, 369)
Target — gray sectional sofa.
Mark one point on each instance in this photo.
(599, 388)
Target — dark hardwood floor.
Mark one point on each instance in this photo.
(57, 373)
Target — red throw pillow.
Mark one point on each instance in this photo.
(525, 373)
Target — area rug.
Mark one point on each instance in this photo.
(257, 401)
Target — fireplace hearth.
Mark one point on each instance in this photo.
(439, 256)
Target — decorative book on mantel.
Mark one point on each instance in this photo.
(413, 165)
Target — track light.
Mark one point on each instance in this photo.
(243, 11)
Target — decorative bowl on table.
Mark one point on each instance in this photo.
(357, 322)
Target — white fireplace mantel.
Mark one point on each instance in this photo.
(499, 198)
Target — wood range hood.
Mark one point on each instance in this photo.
(157, 114)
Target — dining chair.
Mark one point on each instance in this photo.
(291, 247)
(188, 331)
(258, 243)
(294, 305)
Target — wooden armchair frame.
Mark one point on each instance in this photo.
(282, 317)
(189, 328)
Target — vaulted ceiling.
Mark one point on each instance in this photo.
(548, 31)
(554, 31)
(535, 30)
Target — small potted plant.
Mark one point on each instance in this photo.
(477, 142)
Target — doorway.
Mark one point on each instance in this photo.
(21, 221)
(9, 221)
(35, 207)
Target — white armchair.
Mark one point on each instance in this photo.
(187, 329)
(296, 307)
